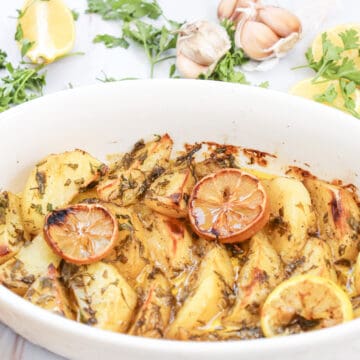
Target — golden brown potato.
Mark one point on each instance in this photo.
(130, 255)
(261, 272)
(316, 260)
(49, 293)
(170, 192)
(129, 178)
(104, 299)
(357, 276)
(167, 239)
(54, 182)
(209, 298)
(291, 217)
(27, 265)
(12, 233)
(86, 195)
(338, 218)
(156, 306)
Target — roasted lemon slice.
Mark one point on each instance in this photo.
(229, 205)
(333, 35)
(304, 303)
(309, 90)
(49, 25)
(82, 233)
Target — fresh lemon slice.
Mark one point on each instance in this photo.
(309, 90)
(50, 26)
(333, 36)
(304, 303)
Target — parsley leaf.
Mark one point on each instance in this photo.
(75, 14)
(19, 85)
(328, 96)
(126, 10)
(3, 56)
(350, 39)
(155, 41)
(111, 41)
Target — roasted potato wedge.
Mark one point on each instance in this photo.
(12, 233)
(338, 217)
(316, 260)
(169, 193)
(167, 239)
(49, 293)
(32, 261)
(104, 298)
(157, 304)
(129, 178)
(291, 217)
(357, 276)
(262, 271)
(130, 255)
(54, 182)
(210, 297)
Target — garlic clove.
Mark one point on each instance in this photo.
(188, 68)
(284, 45)
(226, 9)
(280, 20)
(256, 39)
(203, 42)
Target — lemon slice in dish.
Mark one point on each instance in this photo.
(49, 25)
(304, 303)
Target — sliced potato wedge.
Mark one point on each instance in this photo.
(54, 182)
(261, 272)
(157, 304)
(316, 260)
(12, 233)
(32, 261)
(130, 255)
(129, 177)
(210, 297)
(292, 217)
(170, 192)
(338, 218)
(49, 293)
(167, 239)
(104, 298)
(357, 276)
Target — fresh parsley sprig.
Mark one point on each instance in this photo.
(19, 85)
(126, 10)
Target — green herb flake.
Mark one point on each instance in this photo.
(75, 15)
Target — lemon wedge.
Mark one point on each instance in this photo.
(49, 25)
(333, 36)
(309, 90)
(303, 303)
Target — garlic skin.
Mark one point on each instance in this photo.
(229, 9)
(280, 20)
(199, 47)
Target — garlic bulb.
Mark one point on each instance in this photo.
(199, 47)
(262, 31)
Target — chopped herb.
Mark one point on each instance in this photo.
(67, 182)
(80, 181)
(111, 41)
(126, 10)
(72, 166)
(26, 45)
(328, 96)
(40, 178)
(75, 15)
(19, 34)
(49, 207)
(37, 208)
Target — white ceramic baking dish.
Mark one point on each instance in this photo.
(108, 118)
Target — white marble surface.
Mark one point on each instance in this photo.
(119, 63)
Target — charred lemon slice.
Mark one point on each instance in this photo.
(82, 233)
(49, 26)
(229, 205)
(304, 303)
